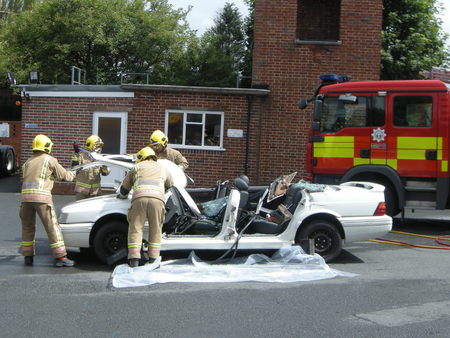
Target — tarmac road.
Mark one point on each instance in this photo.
(399, 292)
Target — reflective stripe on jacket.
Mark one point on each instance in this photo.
(39, 171)
(148, 179)
(88, 180)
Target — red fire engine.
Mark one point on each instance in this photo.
(391, 132)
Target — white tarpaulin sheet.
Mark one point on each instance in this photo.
(286, 265)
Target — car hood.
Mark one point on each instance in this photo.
(91, 209)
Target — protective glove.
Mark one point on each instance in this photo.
(104, 170)
(76, 171)
(122, 197)
(76, 147)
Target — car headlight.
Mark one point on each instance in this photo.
(63, 217)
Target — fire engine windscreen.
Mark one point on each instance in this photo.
(366, 111)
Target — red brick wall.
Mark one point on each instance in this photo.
(67, 119)
(205, 166)
(438, 74)
(292, 71)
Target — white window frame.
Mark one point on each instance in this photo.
(203, 113)
(123, 129)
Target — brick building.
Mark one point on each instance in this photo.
(437, 73)
(258, 131)
(294, 44)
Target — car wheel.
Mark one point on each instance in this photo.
(327, 240)
(109, 239)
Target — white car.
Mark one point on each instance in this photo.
(287, 214)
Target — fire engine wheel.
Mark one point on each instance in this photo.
(391, 202)
(8, 160)
(327, 240)
(109, 239)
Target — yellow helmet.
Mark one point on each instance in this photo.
(42, 143)
(158, 137)
(92, 141)
(145, 153)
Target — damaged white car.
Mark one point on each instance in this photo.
(286, 214)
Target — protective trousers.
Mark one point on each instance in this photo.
(141, 209)
(48, 218)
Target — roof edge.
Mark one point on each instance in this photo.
(195, 89)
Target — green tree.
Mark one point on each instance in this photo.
(248, 52)
(103, 37)
(8, 7)
(412, 39)
(221, 50)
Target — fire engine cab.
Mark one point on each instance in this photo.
(391, 132)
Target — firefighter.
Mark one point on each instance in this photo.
(149, 180)
(38, 174)
(88, 180)
(158, 142)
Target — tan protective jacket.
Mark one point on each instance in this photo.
(174, 156)
(88, 180)
(39, 172)
(148, 179)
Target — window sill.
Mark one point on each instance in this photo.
(318, 42)
(191, 147)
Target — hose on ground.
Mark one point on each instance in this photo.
(438, 239)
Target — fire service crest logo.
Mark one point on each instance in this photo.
(378, 135)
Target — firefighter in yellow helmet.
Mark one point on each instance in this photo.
(38, 172)
(158, 142)
(149, 181)
(88, 180)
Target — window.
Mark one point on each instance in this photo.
(318, 20)
(368, 111)
(413, 111)
(195, 129)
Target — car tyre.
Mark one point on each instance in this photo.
(109, 239)
(8, 161)
(391, 202)
(327, 239)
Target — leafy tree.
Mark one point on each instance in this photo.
(248, 53)
(412, 39)
(103, 37)
(221, 50)
(8, 7)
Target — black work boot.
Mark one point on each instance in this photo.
(63, 261)
(133, 262)
(144, 258)
(29, 260)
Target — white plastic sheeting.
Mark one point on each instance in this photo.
(286, 265)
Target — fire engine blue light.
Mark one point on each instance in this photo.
(329, 77)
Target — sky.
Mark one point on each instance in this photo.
(446, 19)
(203, 12)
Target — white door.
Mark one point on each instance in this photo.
(112, 129)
